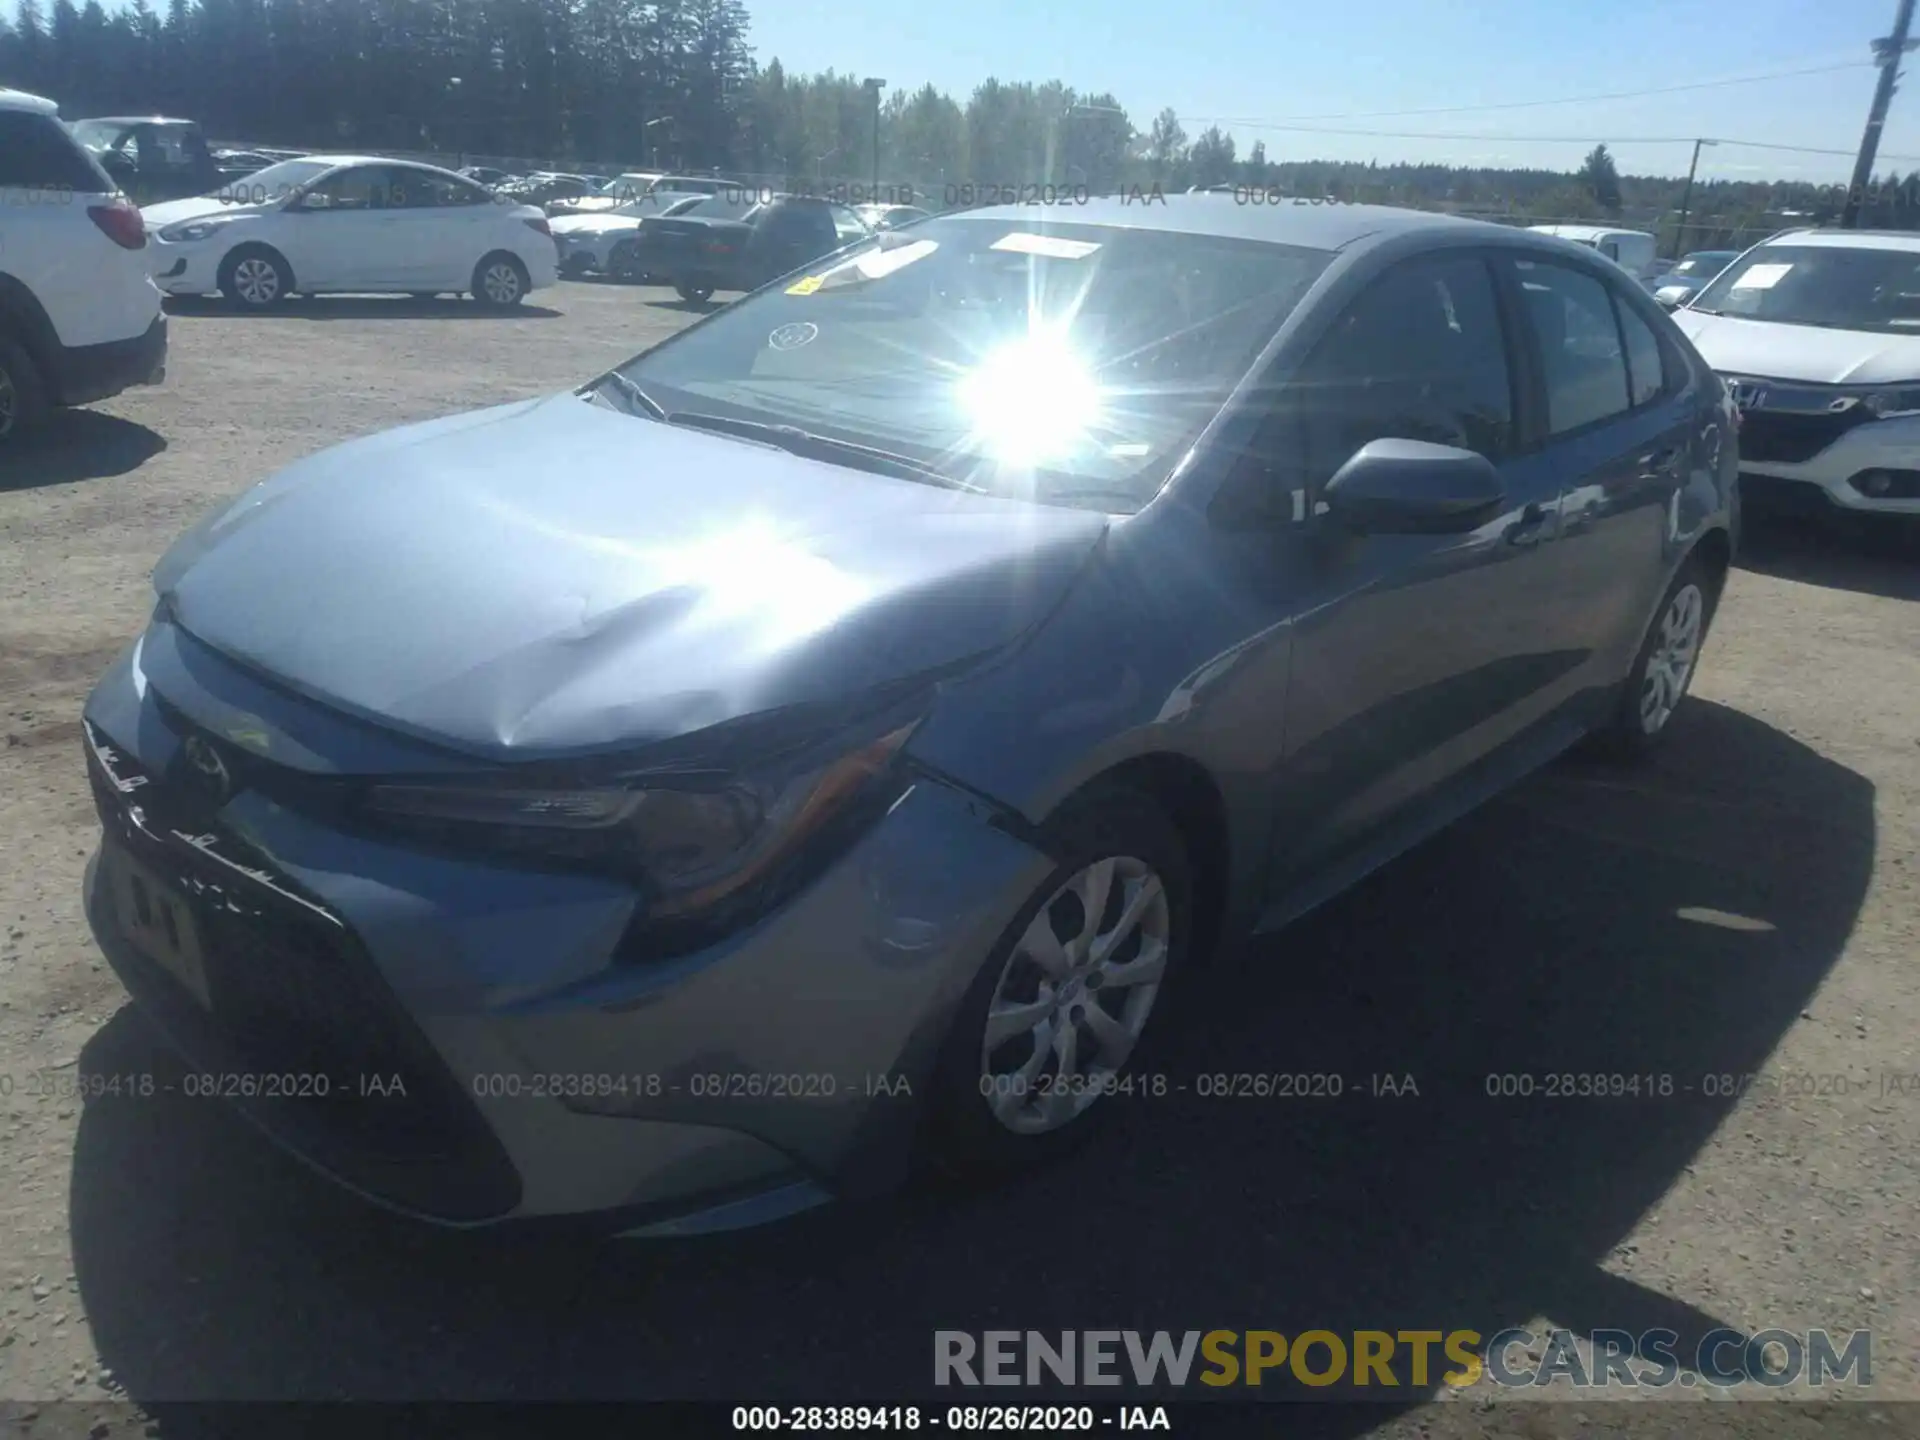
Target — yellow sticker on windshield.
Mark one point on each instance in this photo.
(806, 286)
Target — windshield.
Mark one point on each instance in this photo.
(1833, 286)
(100, 134)
(1069, 364)
(1706, 262)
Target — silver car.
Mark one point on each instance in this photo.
(819, 743)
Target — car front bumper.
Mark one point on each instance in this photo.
(188, 268)
(1787, 464)
(585, 251)
(778, 1069)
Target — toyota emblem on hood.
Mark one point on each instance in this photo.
(208, 765)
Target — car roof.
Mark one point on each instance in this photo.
(134, 120)
(332, 160)
(1586, 232)
(1314, 225)
(21, 100)
(1849, 239)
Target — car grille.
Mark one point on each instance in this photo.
(1789, 438)
(294, 994)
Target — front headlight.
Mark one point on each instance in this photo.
(188, 230)
(691, 840)
(1894, 404)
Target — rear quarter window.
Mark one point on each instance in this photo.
(36, 153)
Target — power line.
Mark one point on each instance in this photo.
(1537, 139)
(1535, 104)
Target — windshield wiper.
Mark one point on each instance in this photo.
(812, 445)
(1129, 502)
(638, 401)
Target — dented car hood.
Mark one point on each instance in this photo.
(554, 577)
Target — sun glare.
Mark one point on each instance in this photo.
(1031, 400)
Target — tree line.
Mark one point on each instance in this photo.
(675, 84)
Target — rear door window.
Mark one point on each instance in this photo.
(424, 190)
(1646, 365)
(1581, 356)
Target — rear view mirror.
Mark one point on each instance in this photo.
(1413, 487)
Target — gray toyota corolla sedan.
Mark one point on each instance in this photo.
(816, 745)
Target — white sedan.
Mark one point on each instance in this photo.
(352, 224)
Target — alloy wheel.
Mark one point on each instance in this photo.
(1670, 663)
(1074, 995)
(257, 280)
(501, 282)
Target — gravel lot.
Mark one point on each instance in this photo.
(156, 1249)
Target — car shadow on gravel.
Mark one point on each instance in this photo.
(358, 307)
(1672, 921)
(77, 445)
(1869, 557)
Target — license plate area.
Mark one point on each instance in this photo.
(155, 918)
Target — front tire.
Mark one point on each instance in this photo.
(500, 281)
(23, 394)
(255, 278)
(1056, 1016)
(1664, 668)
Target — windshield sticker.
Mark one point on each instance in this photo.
(878, 264)
(1051, 246)
(874, 264)
(1760, 277)
(792, 337)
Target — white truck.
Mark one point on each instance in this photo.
(1632, 250)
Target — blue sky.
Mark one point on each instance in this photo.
(1262, 60)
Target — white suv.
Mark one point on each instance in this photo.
(1817, 334)
(80, 316)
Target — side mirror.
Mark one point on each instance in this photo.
(1413, 487)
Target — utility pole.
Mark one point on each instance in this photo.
(1887, 53)
(1686, 200)
(877, 85)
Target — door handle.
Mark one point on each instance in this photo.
(1530, 528)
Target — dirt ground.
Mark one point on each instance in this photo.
(1749, 906)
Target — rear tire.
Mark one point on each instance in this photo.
(255, 277)
(621, 262)
(500, 281)
(996, 1104)
(23, 394)
(695, 294)
(1664, 667)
